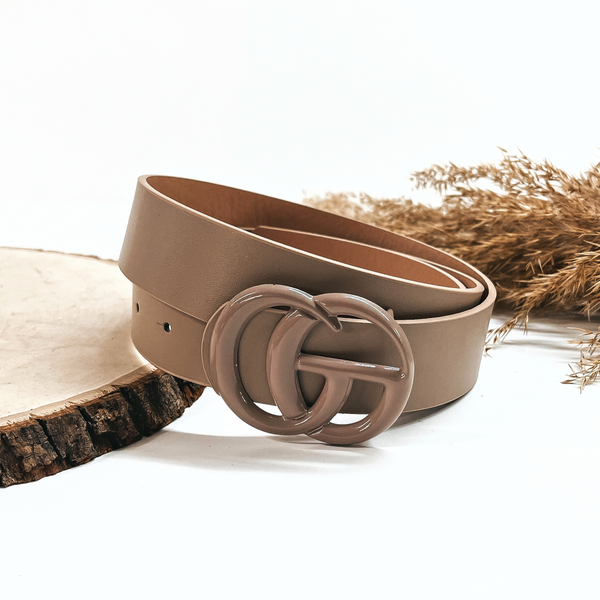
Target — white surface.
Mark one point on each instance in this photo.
(495, 496)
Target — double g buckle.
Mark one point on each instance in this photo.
(285, 359)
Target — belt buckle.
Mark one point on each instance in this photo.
(285, 359)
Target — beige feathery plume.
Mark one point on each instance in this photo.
(531, 227)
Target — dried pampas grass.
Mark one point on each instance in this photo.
(531, 227)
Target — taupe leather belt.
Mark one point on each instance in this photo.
(274, 302)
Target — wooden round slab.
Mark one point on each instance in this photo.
(72, 385)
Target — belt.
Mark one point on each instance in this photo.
(276, 303)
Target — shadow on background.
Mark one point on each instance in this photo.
(261, 452)
(252, 453)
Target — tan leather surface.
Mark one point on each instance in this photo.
(192, 246)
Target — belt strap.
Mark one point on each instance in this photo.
(192, 248)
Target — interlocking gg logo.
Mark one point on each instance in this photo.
(285, 358)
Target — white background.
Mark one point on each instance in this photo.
(495, 496)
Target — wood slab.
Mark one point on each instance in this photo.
(72, 385)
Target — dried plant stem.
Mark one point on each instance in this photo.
(531, 227)
(588, 369)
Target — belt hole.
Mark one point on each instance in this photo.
(167, 327)
(137, 307)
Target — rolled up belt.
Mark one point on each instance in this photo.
(273, 302)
